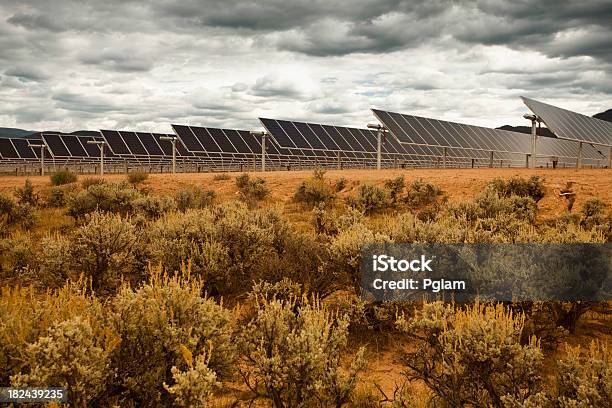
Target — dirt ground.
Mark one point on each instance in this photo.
(458, 184)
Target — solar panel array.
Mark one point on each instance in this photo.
(412, 140)
(571, 125)
(482, 143)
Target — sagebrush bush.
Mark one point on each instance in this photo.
(137, 177)
(103, 249)
(369, 199)
(251, 190)
(422, 194)
(193, 196)
(340, 184)
(291, 354)
(63, 177)
(472, 355)
(518, 186)
(58, 196)
(13, 213)
(90, 181)
(331, 222)
(314, 190)
(194, 386)
(396, 187)
(165, 324)
(221, 177)
(68, 356)
(150, 206)
(109, 197)
(585, 381)
(16, 255)
(26, 194)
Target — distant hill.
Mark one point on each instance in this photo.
(13, 132)
(607, 116)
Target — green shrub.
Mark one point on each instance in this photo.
(137, 177)
(108, 197)
(63, 177)
(472, 355)
(150, 206)
(331, 222)
(594, 214)
(90, 181)
(68, 357)
(251, 190)
(369, 199)
(518, 186)
(26, 194)
(13, 213)
(340, 184)
(221, 177)
(585, 382)
(16, 255)
(193, 196)
(396, 187)
(422, 194)
(291, 355)
(314, 190)
(58, 196)
(172, 340)
(103, 249)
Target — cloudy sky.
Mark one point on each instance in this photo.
(68, 65)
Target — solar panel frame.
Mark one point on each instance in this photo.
(55, 145)
(571, 125)
(150, 143)
(133, 143)
(115, 142)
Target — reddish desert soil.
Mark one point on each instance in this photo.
(458, 184)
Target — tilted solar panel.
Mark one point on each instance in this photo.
(190, 141)
(56, 145)
(74, 146)
(253, 142)
(93, 150)
(7, 150)
(24, 151)
(570, 125)
(237, 141)
(205, 139)
(150, 144)
(439, 133)
(221, 140)
(115, 142)
(133, 143)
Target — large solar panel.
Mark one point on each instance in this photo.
(73, 143)
(115, 142)
(23, 148)
(57, 148)
(7, 150)
(133, 143)
(571, 125)
(438, 133)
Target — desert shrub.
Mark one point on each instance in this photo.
(291, 355)
(150, 206)
(108, 197)
(314, 190)
(194, 386)
(587, 381)
(345, 252)
(58, 196)
(16, 254)
(340, 184)
(594, 213)
(56, 263)
(518, 186)
(68, 356)
(63, 177)
(472, 355)
(221, 177)
(193, 196)
(229, 246)
(251, 190)
(13, 213)
(369, 199)
(422, 194)
(331, 222)
(137, 177)
(490, 205)
(103, 249)
(165, 324)
(396, 187)
(90, 181)
(27, 315)
(283, 290)
(26, 194)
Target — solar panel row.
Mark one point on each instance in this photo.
(571, 125)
